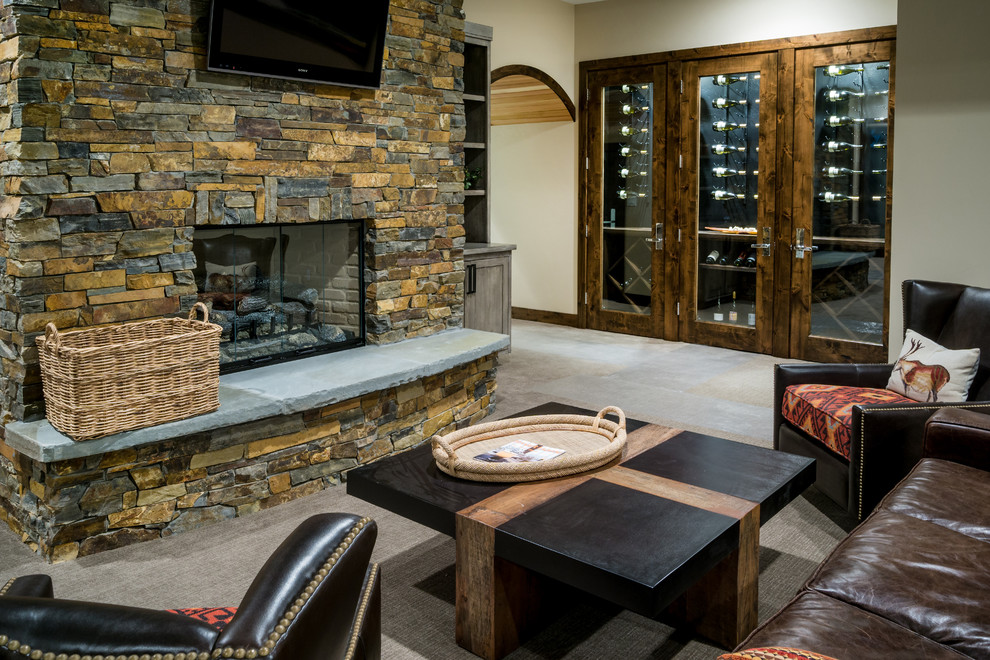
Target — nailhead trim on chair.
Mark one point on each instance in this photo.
(289, 616)
(362, 610)
(227, 651)
(7, 586)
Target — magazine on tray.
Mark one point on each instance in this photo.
(519, 451)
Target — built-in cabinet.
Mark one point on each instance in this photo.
(740, 196)
(487, 266)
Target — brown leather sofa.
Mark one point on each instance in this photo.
(317, 596)
(912, 580)
(886, 439)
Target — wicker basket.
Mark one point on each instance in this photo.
(101, 381)
(588, 443)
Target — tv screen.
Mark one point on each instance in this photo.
(316, 40)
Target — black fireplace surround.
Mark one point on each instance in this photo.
(282, 292)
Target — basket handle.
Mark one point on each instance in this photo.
(610, 409)
(52, 336)
(441, 444)
(192, 312)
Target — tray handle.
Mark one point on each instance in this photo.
(52, 336)
(199, 307)
(606, 410)
(444, 446)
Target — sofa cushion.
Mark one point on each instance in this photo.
(932, 493)
(919, 575)
(834, 628)
(825, 411)
(966, 328)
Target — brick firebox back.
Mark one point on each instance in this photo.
(117, 142)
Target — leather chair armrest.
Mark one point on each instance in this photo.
(52, 625)
(366, 631)
(850, 375)
(887, 442)
(300, 604)
(37, 586)
(960, 435)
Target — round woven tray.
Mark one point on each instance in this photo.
(588, 443)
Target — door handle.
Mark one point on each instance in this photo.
(657, 239)
(472, 279)
(766, 244)
(799, 247)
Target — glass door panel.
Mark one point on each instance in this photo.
(625, 181)
(840, 243)
(727, 142)
(627, 226)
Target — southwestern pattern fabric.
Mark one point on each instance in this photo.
(774, 653)
(825, 411)
(218, 617)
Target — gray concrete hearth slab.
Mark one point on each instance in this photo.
(281, 389)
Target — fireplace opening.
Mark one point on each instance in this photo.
(282, 292)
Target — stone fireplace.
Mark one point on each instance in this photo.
(123, 156)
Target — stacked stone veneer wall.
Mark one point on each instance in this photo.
(117, 142)
(77, 507)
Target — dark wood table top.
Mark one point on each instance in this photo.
(638, 533)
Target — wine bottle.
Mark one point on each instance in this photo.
(724, 259)
(726, 126)
(629, 151)
(751, 259)
(834, 146)
(842, 94)
(836, 70)
(629, 130)
(733, 312)
(631, 88)
(626, 173)
(833, 197)
(725, 81)
(723, 172)
(835, 172)
(879, 145)
(724, 103)
(723, 195)
(740, 260)
(625, 194)
(723, 149)
(842, 120)
(883, 65)
(884, 171)
(712, 257)
(628, 109)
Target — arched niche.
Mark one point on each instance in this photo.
(522, 94)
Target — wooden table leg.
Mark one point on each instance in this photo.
(496, 599)
(724, 604)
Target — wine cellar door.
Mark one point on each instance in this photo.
(728, 144)
(842, 203)
(625, 230)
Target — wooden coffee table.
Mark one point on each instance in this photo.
(674, 526)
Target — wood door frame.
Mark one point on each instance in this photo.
(758, 339)
(649, 325)
(785, 49)
(801, 343)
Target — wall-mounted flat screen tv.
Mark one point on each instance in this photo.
(327, 41)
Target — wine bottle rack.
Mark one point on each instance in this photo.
(729, 116)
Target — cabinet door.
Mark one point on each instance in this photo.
(626, 125)
(487, 289)
(839, 244)
(727, 195)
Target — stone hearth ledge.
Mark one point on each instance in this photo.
(281, 389)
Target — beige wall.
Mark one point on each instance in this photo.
(941, 228)
(534, 169)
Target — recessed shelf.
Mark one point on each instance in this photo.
(474, 145)
(474, 193)
(475, 97)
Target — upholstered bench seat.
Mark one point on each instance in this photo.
(825, 411)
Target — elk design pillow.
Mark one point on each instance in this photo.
(926, 371)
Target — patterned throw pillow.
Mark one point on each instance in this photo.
(926, 371)
(218, 617)
(774, 653)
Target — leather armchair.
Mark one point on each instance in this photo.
(887, 439)
(317, 596)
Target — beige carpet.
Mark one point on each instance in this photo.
(725, 393)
